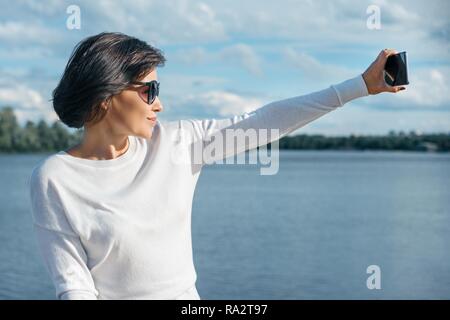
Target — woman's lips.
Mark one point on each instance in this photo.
(151, 119)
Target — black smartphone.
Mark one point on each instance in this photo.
(396, 69)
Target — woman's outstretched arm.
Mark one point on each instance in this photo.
(215, 139)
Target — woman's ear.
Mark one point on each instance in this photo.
(106, 104)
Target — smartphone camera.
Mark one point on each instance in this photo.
(396, 70)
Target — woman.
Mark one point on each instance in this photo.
(112, 215)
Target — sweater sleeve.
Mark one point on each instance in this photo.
(278, 118)
(65, 260)
(60, 247)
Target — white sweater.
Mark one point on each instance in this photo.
(121, 228)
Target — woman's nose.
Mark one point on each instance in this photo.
(157, 106)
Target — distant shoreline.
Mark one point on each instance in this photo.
(48, 152)
(437, 142)
(44, 138)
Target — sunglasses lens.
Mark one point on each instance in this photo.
(143, 93)
(153, 92)
(151, 95)
(149, 92)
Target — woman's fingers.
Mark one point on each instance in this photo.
(384, 54)
(374, 74)
(382, 57)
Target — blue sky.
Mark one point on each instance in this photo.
(229, 57)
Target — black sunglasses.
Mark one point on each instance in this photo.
(149, 90)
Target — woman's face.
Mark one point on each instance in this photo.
(129, 114)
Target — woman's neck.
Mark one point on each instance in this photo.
(99, 143)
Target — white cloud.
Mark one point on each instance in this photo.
(25, 97)
(315, 70)
(396, 12)
(239, 54)
(29, 104)
(210, 104)
(28, 53)
(226, 103)
(428, 90)
(177, 84)
(243, 55)
(160, 23)
(26, 32)
(44, 7)
(29, 98)
(356, 118)
(311, 23)
(191, 56)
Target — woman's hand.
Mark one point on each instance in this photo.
(374, 75)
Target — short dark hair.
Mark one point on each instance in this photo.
(101, 66)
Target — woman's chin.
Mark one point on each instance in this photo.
(146, 133)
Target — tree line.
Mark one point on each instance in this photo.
(411, 141)
(41, 137)
(33, 137)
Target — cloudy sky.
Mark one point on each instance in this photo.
(229, 57)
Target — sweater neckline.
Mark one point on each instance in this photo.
(123, 158)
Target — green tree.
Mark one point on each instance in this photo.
(45, 136)
(8, 129)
